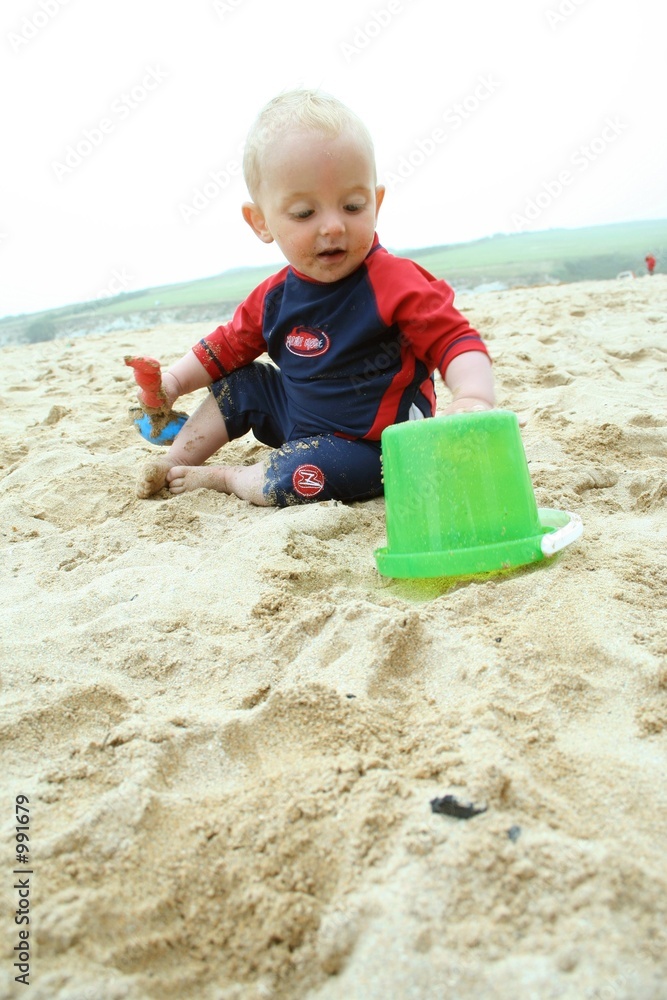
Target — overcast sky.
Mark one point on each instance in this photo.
(123, 123)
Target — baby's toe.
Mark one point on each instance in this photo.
(151, 480)
(176, 479)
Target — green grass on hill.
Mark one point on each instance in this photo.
(562, 255)
(554, 255)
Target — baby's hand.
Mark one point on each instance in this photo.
(169, 389)
(468, 404)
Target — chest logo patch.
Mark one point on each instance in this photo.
(307, 342)
(308, 480)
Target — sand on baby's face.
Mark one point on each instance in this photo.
(230, 727)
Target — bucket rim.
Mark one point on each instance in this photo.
(495, 557)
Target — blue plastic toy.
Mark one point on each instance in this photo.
(166, 435)
(154, 403)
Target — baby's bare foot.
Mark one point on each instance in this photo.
(153, 477)
(182, 478)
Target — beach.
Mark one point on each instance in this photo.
(229, 728)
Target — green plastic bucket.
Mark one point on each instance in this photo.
(459, 499)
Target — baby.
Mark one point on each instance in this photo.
(352, 332)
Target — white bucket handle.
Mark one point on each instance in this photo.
(554, 541)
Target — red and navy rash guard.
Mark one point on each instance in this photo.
(356, 353)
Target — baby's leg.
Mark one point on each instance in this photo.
(324, 467)
(250, 398)
(244, 481)
(203, 434)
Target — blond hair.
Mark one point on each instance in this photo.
(298, 110)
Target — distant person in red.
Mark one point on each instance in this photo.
(650, 263)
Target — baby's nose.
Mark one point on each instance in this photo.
(332, 222)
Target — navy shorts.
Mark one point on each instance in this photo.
(304, 468)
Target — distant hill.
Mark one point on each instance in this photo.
(553, 256)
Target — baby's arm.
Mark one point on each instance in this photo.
(182, 377)
(470, 380)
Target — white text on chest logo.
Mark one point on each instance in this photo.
(305, 341)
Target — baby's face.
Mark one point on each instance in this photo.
(319, 202)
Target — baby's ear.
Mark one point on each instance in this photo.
(254, 216)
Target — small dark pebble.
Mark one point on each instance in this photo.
(350, 696)
(449, 805)
(514, 833)
(499, 639)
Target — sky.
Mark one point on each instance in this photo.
(123, 125)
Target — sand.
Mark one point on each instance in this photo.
(229, 727)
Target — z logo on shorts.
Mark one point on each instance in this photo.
(307, 342)
(308, 480)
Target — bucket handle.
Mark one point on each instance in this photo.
(554, 541)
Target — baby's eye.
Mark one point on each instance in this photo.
(353, 208)
(306, 213)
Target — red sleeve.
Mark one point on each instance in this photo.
(423, 308)
(240, 341)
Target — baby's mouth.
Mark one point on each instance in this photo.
(332, 253)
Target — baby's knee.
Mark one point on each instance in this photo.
(286, 486)
(323, 468)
